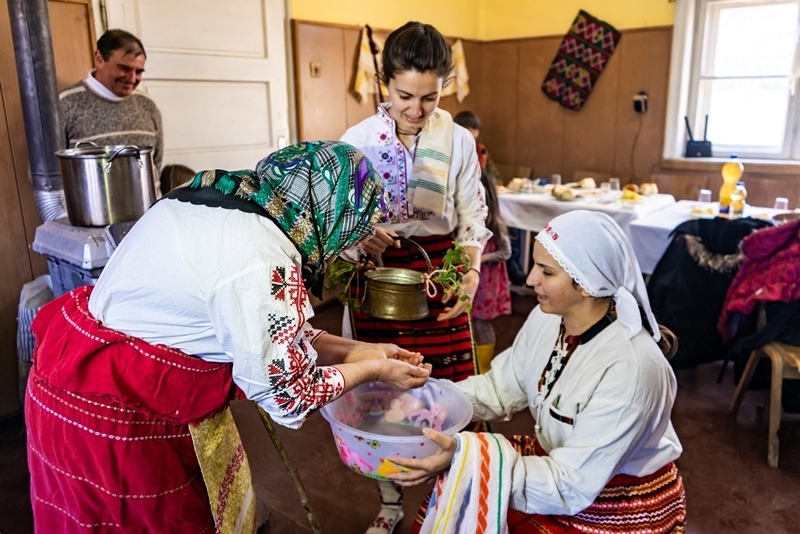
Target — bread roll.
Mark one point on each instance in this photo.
(648, 189)
(631, 187)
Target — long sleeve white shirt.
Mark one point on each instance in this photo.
(617, 391)
(225, 286)
(465, 209)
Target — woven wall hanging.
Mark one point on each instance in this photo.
(581, 58)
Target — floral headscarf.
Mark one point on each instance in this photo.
(324, 195)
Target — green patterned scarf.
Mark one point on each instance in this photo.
(324, 195)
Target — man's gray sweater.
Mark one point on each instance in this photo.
(134, 120)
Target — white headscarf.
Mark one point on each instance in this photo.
(594, 251)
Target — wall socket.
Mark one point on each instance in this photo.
(316, 69)
(640, 102)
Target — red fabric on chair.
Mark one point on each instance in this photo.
(769, 273)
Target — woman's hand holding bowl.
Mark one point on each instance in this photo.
(425, 469)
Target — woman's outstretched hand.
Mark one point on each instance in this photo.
(422, 470)
(469, 286)
(380, 351)
(403, 376)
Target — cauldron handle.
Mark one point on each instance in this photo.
(119, 151)
(415, 244)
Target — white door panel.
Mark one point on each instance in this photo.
(218, 73)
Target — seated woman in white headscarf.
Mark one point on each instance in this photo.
(588, 365)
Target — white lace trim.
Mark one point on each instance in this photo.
(567, 266)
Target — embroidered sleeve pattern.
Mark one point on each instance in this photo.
(261, 322)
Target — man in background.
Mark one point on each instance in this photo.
(105, 108)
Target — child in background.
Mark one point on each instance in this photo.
(493, 298)
(471, 122)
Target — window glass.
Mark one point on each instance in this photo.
(754, 41)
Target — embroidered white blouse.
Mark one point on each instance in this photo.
(608, 414)
(225, 286)
(465, 210)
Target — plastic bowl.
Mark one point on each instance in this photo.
(373, 423)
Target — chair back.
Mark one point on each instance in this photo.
(688, 286)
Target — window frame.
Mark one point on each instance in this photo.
(690, 33)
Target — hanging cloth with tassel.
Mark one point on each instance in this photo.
(369, 64)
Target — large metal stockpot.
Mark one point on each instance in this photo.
(104, 185)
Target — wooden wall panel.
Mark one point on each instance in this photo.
(15, 266)
(681, 186)
(498, 87)
(73, 39)
(644, 66)
(356, 110)
(589, 133)
(321, 101)
(540, 127)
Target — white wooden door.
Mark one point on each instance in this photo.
(217, 71)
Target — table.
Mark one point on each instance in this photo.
(532, 211)
(649, 235)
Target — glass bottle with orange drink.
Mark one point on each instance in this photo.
(731, 173)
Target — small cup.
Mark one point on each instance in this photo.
(555, 179)
(613, 184)
(704, 196)
(605, 187)
(781, 203)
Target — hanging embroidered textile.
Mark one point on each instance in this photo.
(370, 52)
(581, 58)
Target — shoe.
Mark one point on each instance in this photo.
(387, 520)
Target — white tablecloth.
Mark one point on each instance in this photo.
(650, 235)
(531, 211)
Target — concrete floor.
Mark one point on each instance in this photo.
(730, 488)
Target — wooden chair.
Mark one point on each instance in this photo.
(785, 366)
(681, 186)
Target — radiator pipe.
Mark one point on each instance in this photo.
(36, 72)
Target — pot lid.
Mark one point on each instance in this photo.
(89, 152)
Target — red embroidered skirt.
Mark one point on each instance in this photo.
(655, 504)
(446, 345)
(109, 448)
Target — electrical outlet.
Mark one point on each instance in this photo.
(640, 102)
(316, 69)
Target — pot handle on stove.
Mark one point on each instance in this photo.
(119, 151)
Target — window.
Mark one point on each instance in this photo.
(742, 74)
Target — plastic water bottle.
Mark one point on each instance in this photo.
(738, 201)
(731, 173)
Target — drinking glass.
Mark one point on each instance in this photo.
(605, 187)
(781, 203)
(613, 184)
(704, 196)
(555, 179)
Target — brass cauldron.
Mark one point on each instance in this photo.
(396, 294)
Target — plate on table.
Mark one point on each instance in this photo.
(703, 213)
(629, 204)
